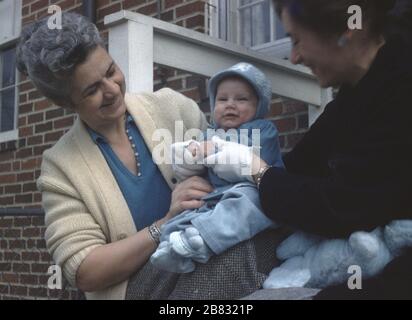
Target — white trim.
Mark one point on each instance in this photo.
(6, 136)
(16, 17)
(188, 50)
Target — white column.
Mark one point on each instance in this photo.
(131, 46)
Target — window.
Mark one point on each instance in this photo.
(10, 26)
(250, 23)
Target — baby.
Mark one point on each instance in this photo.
(240, 98)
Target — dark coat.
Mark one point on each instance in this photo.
(353, 169)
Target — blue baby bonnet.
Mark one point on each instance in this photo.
(254, 77)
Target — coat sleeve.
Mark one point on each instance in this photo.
(71, 232)
(304, 196)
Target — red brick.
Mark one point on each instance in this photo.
(5, 266)
(64, 123)
(29, 279)
(6, 222)
(31, 232)
(23, 98)
(108, 10)
(22, 121)
(197, 6)
(12, 256)
(10, 278)
(292, 106)
(38, 292)
(41, 105)
(129, 4)
(40, 128)
(5, 156)
(172, 3)
(149, 9)
(26, 131)
(66, 4)
(24, 153)
(35, 140)
(17, 165)
(31, 186)
(4, 289)
(36, 117)
(7, 178)
(30, 256)
(29, 164)
(55, 113)
(21, 267)
(33, 95)
(45, 256)
(4, 201)
(18, 290)
(286, 124)
(40, 267)
(26, 86)
(10, 189)
(39, 4)
(53, 136)
(26, 176)
(22, 221)
(275, 110)
(5, 167)
(196, 21)
(12, 233)
(25, 108)
(23, 198)
(17, 244)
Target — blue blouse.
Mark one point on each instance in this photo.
(148, 195)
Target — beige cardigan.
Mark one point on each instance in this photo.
(83, 203)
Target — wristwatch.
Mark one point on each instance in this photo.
(257, 178)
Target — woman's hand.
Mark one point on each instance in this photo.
(234, 162)
(187, 195)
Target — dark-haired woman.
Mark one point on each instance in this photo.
(353, 169)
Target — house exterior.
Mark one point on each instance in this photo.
(29, 124)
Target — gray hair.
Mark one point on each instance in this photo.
(49, 56)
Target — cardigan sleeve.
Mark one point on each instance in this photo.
(189, 111)
(71, 232)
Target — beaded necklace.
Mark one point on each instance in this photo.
(136, 154)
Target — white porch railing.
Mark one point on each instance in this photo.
(137, 41)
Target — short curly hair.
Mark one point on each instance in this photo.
(49, 56)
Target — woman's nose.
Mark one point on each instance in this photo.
(110, 87)
(295, 57)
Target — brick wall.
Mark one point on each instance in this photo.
(23, 258)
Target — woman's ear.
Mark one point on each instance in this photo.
(345, 38)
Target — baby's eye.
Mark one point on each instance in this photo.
(243, 99)
(221, 99)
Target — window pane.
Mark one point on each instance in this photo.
(8, 59)
(280, 31)
(255, 24)
(7, 100)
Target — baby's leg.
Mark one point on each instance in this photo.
(190, 244)
(165, 258)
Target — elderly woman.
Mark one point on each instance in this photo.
(104, 195)
(352, 170)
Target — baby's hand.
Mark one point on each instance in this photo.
(208, 148)
(194, 148)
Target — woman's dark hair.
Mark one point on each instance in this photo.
(330, 17)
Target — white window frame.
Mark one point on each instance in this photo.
(281, 47)
(6, 42)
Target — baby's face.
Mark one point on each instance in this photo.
(235, 104)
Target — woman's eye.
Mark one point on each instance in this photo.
(110, 73)
(92, 91)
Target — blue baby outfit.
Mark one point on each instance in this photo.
(232, 212)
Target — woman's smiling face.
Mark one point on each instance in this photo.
(327, 60)
(235, 103)
(98, 89)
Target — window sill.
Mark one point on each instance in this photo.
(7, 136)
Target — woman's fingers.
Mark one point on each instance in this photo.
(192, 204)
